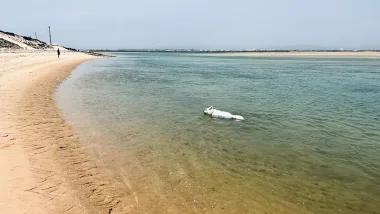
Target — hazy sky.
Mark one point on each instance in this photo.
(197, 23)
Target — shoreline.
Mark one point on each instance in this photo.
(359, 54)
(304, 54)
(46, 168)
(369, 53)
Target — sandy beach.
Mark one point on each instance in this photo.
(44, 167)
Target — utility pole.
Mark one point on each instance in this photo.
(35, 33)
(50, 35)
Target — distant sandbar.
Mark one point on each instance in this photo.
(361, 54)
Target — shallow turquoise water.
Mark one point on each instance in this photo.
(310, 140)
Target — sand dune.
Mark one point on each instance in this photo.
(13, 42)
(24, 42)
(44, 167)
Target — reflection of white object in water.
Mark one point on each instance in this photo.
(222, 114)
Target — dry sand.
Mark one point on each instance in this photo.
(364, 54)
(44, 167)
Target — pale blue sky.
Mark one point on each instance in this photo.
(197, 23)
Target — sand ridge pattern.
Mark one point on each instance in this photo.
(45, 167)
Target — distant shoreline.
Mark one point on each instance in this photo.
(232, 51)
(363, 54)
(279, 53)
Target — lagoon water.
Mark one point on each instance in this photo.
(310, 141)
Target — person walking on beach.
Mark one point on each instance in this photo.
(58, 52)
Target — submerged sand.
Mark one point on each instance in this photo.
(44, 167)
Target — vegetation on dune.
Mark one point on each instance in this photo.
(6, 44)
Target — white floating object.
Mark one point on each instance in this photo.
(221, 114)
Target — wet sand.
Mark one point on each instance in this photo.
(44, 167)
